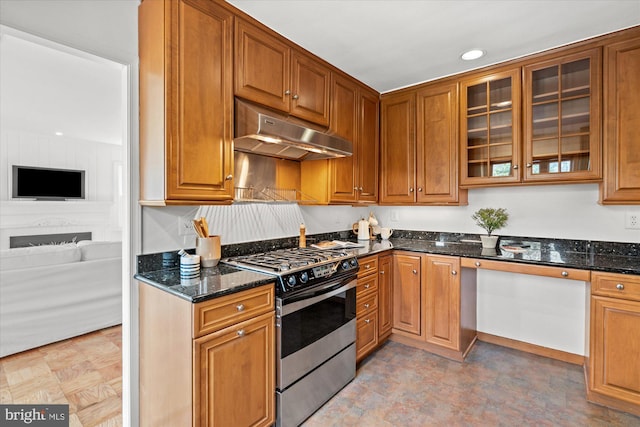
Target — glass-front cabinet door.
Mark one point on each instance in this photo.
(561, 118)
(490, 129)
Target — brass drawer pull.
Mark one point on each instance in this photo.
(240, 333)
(366, 306)
(477, 263)
(620, 286)
(367, 320)
(564, 274)
(240, 307)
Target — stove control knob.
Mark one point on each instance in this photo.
(304, 277)
(345, 265)
(291, 281)
(353, 262)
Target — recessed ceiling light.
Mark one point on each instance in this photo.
(472, 54)
(59, 134)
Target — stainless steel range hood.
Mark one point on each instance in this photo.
(265, 132)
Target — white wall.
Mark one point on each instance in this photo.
(98, 160)
(107, 28)
(553, 211)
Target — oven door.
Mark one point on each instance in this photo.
(313, 326)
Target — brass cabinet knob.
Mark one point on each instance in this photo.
(620, 286)
(477, 263)
(366, 306)
(295, 96)
(240, 333)
(454, 272)
(367, 321)
(415, 271)
(381, 271)
(287, 92)
(228, 177)
(564, 274)
(410, 189)
(515, 166)
(240, 307)
(367, 286)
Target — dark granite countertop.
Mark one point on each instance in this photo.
(213, 282)
(539, 253)
(161, 270)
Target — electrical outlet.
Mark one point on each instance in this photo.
(185, 226)
(632, 220)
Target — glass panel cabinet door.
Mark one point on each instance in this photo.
(490, 129)
(562, 115)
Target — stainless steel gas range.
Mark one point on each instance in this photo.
(316, 325)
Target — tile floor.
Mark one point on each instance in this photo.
(396, 386)
(402, 386)
(85, 372)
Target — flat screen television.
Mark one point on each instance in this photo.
(31, 182)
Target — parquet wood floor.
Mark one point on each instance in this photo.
(84, 372)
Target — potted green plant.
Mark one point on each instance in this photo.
(490, 219)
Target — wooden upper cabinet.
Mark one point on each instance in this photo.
(309, 89)
(368, 146)
(437, 145)
(621, 183)
(354, 117)
(343, 171)
(398, 148)
(490, 129)
(562, 98)
(269, 71)
(186, 110)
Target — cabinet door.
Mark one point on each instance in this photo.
(309, 89)
(367, 334)
(437, 144)
(200, 151)
(398, 149)
(385, 296)
(621, 137)
(442, 301)
(562, 118)
(368, 147)
(262, 66)
(615, 348)
(343, 173)
(406, 293)
(490, 129)
(234, 375)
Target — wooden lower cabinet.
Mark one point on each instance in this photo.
(614, 353)
(385, 297)
(192, 375)
(367, 307)
(406, 294)
(434, 304)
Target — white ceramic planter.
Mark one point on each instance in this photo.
(489, 242)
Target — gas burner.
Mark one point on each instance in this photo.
(298, 268)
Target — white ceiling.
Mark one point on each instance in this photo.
(389, 44)
(48, 88)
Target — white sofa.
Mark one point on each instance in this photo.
(53, 292)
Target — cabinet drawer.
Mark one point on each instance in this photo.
(368, 302)
(536, 270)
(367, 284)
(368, 265)
(616, 285)
(219, 313)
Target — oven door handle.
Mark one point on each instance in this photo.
(330, 291)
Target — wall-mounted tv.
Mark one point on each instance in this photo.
(30, 182)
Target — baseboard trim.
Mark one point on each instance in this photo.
(551, 353)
